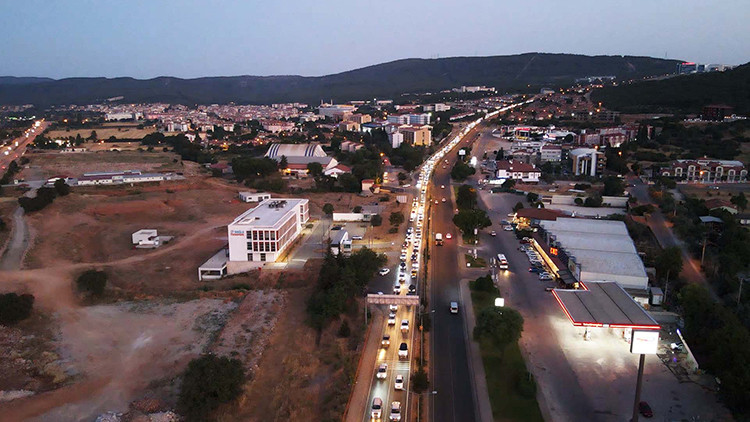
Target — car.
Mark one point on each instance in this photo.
(534, 269)
(443, 200)
(397, 288)
(384, 271)
(386, 341)
(645, 410)
(545, 276)
(392, 318)
(399, 383)
(395, 411)
(404, 325)
(403, 351)
(412, 289)
(336, 228)
(454, 307)
(357, 237)
(382, 371)
(493, 233)
(393, 308)
(403, 256)
(508, 228)
(377, 408)
(504, 223)
(448, 236)
(436, 202)
(402, 265)
(442, 186)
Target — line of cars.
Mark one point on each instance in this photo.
(537, 264)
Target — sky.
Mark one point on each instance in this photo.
(190, 38)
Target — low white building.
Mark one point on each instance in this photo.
(254, 196)
(264, 233)
(518, 171)
(144, 236)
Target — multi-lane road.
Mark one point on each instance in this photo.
(17, 147)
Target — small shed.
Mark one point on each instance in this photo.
(254, 196)
(145, 236)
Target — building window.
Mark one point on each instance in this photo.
(249, 246)
(273, 246)
(249, 257)
(262, 257)
(255, 235)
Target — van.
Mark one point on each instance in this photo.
(377, 408)
(454, 307)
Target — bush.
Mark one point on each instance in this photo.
(344, 330)
(393, 230)
(396, 218)
(15, 308)
(92, 282)
(483, 284)
(241, 286)
(61, 188)
(44, 197)
(578, 201)
(208, 382)
(376, 220)
(419, 380)
(526, 385)
(328, 209)
(593, 201)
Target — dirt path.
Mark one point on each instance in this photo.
(17, 244)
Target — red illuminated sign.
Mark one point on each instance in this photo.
(553, 251)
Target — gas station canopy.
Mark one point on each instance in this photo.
(603, 304)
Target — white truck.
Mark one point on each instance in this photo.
(438, 239)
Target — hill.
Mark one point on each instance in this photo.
(681, 94)
(384, 80)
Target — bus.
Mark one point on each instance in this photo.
(502, 262)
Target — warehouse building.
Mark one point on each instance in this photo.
(592, 250)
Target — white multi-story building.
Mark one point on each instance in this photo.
(551, 153)
(264, 233)
(588, 161)
(516, 170)
(419, 119)
(402, 119)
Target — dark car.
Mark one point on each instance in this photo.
(412, 288)
(645, 410)
(535, 270)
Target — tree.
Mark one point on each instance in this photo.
(402, 177)
(328, 209)
(669, 261)
(93, 136)
(593, 201)
(208, 382)
(518, 206)
(419, 380)
(61, 188)
(92, 282)
(376, 220)
(344, 329)
(578, 201)
(461, 171)
(740, 201)
(283, 163)
(498, 325)
(509, 184)
(532, 197)
(613, 186)
(396, 218)
(483, 284)
(466, 197)
(468, 220)
(15, 307)
(357, 209)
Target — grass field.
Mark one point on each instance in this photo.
(506, 375)
(475, 262)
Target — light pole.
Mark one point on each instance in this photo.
(739, 293)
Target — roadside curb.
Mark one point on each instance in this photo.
(377, 319)
(478, 377)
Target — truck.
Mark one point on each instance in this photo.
(438, 239)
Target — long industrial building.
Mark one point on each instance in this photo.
(593, 250)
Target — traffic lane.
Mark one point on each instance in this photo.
(384, 388)
(454, 400)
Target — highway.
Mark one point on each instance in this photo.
(17, 147)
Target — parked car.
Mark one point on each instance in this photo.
(545, 276)
(384, 271)
(534, 269)
(645, 410)
(357, 237)
(493, 233)
(508, 228)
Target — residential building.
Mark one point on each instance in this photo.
(588, 161)
(337, 170)
(524, 156)
(402, 119)
(336, 111)
(114, 116)
(361, 118)
(707, 170)
(396, 138)
(350, 146)
(716, 112)
(276, 126)
(348, 126)
(518, 171)
(370, 126)
(550, 153)
(417, 135)
(264, 233)
(419, 119)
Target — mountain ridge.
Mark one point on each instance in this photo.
(388, 79)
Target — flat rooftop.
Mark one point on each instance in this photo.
(268, 213)
(594, 241)
(583, 225)
(603, 304)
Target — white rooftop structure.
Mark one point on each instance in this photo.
(598, 250)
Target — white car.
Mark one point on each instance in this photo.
(448, 236)
(545, 276)
(395, 411)
(404, 325)
(443, 200)
(393, 308)
(508, 228)
(403, 351)
(397, 289)
(382, 371)
(442, 186)
(399, 384)
(392, 318)
(454, 307)
(377, 408)
(384, 271)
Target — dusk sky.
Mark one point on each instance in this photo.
(145, 39)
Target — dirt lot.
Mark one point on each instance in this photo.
(74, 165)
(119, 131)
(8, 205)
(725, 191)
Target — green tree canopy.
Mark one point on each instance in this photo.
(315, 169)
(740, 201)
(466, 197)
(669, 261)
(396, 218)
(328, 209)
(208, 382)
(613, 186)
(468, 220)
(92, 281)
(461, 171)
(498, 325)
